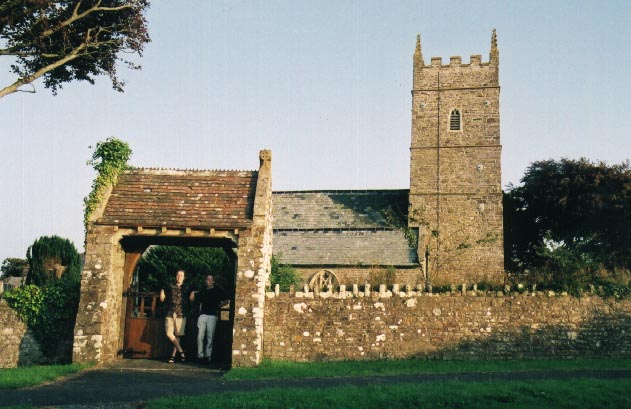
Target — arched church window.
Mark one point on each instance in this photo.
(455, 120)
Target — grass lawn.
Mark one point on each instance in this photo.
(569, 393)
(22, 377)
(282, 369)
(583, 393)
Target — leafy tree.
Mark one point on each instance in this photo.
(158, 266)
(569, 218)
(12, 267)
(63, 41)
(49, 253)
(283, 274)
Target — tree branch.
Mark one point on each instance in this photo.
(77, 16)
(22, 81)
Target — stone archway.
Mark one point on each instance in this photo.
(155, 206)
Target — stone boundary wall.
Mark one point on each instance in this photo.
(18, 346)
(459, 325)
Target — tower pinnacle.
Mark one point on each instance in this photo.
(418, 55)
(494, 58)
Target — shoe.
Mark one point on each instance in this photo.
(182, 357)
(172, 359)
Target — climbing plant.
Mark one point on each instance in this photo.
(109, 160)
(435, 248)
(49, 312)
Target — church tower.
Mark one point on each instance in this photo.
(455, 168)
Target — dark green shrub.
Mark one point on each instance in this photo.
(47, 252)
(283, 274)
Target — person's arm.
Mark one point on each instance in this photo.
(192, 296)
(162, 296)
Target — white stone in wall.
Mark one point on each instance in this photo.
(249, 274)
(380, 306)
(300, 308)
(270, 294)
(242, 311)
(380, 338)
(103, 304)
(306, 333)
(98, 339)
(411, 303)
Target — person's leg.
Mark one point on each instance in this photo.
(170, 327)
(210, 333)
(201, 332)
(180, 327)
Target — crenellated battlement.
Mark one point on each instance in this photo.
(455, 61)
(456, 74)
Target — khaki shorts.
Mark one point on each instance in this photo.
(175, 325)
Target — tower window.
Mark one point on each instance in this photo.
(455, 122)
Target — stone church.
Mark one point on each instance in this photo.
(453, 206)
(445, 230)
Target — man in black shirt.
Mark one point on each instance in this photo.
(210, 299)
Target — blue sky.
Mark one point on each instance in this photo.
(325, 85)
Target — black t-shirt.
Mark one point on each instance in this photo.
(210, 300)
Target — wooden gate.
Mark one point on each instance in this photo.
(144, 328)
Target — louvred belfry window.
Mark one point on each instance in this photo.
(455, 121)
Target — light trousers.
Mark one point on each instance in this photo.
(205, 328)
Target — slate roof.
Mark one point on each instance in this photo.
(344, 247)
(340, 228)
(182, 198)
(336, 209)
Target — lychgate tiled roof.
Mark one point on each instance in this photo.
(340, 228)
(182, 198)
